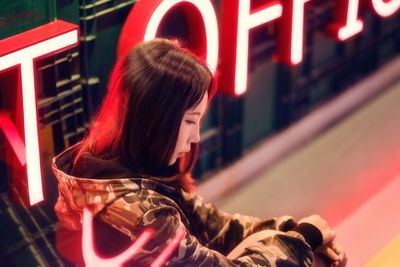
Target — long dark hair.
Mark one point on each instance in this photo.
(138, 122)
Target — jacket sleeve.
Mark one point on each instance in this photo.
(225, 231)
(278, 249)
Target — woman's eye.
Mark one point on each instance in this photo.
(190, 122)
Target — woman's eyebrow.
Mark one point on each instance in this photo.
(194, 113)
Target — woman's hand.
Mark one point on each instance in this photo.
(328, 235)
(330, 249)
(334, 253)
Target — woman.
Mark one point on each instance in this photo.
(133, 172)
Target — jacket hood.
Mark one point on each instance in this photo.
(93, 183)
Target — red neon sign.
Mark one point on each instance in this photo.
(91, 257)
(291, 29)
(146, 16)
(12, 135)
(22, 50)
(346, 23)
(385, 8)
(237, 19)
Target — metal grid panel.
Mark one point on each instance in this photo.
(20, 15)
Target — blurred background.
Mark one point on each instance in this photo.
(319, 137)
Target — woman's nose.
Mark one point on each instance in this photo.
(196, 136)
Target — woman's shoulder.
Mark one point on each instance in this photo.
(147, 199)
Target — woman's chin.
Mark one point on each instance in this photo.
(172, 162)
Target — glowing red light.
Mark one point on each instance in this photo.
(385, 8)
(346, 23)
(237, 21)
(13, 137)
(171, 246)
(89, 252)
(23, 49)
(145, 17)
(291, 29)
(92, 258)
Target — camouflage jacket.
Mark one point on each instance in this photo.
(131, 205)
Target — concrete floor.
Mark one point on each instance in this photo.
(349, 174)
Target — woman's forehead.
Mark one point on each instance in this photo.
(199, 108)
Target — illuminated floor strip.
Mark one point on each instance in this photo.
(370, 229)
(389, 256)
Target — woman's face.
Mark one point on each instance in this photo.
(189, 131)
